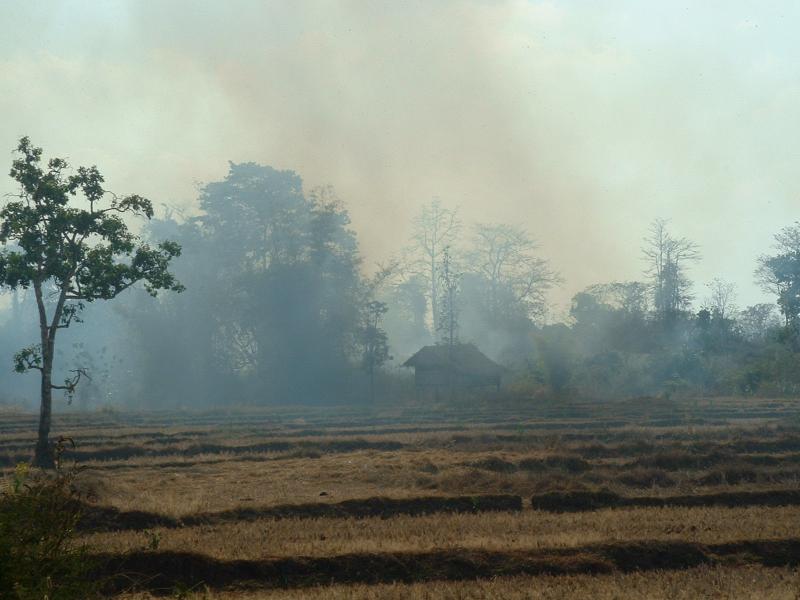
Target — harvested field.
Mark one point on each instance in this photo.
(689, 584)
(498, 531)
(479, 502)
(165, 570)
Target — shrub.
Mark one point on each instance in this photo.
(39, 555)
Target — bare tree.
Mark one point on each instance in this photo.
(504, 256)
(667, 259)
(434, 229)
(722, 298)
(450, 278)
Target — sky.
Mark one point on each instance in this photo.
(579, 121)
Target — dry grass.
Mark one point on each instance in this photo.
(181, 464)
(704, 582)
(216, 487)
(487, 531)
(208, 483)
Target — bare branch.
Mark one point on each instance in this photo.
(71, 383)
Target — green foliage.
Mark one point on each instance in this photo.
(780, 273)
(153, 540)
(65, 237)
(555, 358)
(85, 250)
(374, 341)
(39, 555)
(28, 358)
(284, 297)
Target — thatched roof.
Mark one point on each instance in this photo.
(461, 358)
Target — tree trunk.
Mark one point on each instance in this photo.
(372, 384)
(43, 456)
(434, 296)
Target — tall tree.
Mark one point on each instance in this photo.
(667, 259)
(180, 344)
(779, 273)
(451, 286)
(612, 316)
(405, 321)
(434, 229)
(70, 252)
(721, 300)
(504, 257)
(374, 342)
(630, 297)
(290, 264)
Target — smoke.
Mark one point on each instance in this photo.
(579, 121)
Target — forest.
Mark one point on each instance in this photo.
(280, 307)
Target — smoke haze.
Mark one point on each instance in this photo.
(580, 121)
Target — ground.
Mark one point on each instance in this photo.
(649, 498)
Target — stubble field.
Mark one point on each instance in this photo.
(649, 498)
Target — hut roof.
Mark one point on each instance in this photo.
(463, 358)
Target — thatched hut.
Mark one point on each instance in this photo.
(458, 367)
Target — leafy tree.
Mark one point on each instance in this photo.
(374, 342)
(612, 316)
(779, 273)
(717, 329)
(183, 346)
(71, 253)
(289, 266)
(629, 297)
(555, 357)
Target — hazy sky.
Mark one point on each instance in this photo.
(581, 121)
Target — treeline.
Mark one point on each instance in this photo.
(278, 308)
(653, 337)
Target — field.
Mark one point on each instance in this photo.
(648, 498)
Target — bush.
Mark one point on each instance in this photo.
(39, 555)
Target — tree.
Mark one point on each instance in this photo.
(71, 253)
(779, 274)
(289, 265)
(406, 319)
(450, 282)
(172, 347)
(666, 258)
(717, 328)
(374, 342)
(722, 298)
(434, 229)
(504, 257)
(757, 320)
(612, 316)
